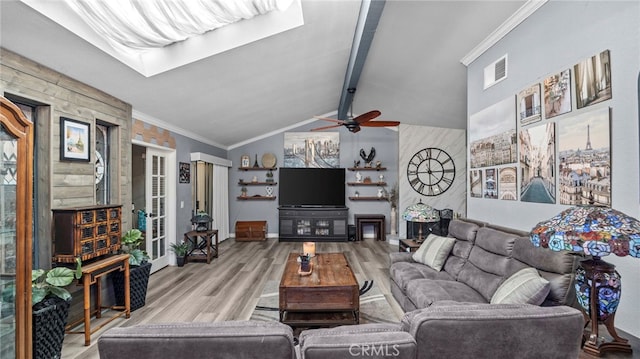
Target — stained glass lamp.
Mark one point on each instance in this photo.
(421, 213)
(594, 231)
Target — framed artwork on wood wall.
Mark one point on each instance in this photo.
(74, 140)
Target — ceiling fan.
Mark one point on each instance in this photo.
(353, 124)
(370, 12)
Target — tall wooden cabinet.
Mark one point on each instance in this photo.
(16, 201)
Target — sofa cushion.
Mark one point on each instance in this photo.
(364, 340)
(424, 292)
(556, 267)
(434, 251)
(404, 272)
(488, 263)
(465, 234)
(523, 287)
(198, 340)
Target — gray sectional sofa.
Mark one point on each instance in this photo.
(448, 314)
(482, 257)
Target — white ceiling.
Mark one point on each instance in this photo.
(413, 72)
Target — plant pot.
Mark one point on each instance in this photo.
(49, 320)
(138, 281)
(180, 261)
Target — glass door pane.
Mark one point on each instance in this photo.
(156, 199)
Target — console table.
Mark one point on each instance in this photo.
(202, 247)
(301, 224)
(92, 273)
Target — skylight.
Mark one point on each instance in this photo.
(154, 36)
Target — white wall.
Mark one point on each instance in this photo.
(557, 36)
(415, 138)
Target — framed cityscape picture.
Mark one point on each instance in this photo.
(529, 106)
(584, 155)
(537, 164)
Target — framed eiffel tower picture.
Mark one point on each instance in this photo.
(584, 157)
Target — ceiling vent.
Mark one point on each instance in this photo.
(495, 72)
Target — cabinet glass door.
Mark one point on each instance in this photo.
(8, 244)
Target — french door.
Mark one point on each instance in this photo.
(156, 204)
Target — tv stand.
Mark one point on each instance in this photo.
(301, 224)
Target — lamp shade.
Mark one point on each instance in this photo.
(594, 230)
(421, 212)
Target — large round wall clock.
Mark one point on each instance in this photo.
(431, 171)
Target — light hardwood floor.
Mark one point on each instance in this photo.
(229, 287)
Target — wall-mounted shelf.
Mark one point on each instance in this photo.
(257, 168)
(256, 198)
(379, 184)
(367, 168)
(361, 198)
(243, 183)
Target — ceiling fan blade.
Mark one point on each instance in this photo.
(367, 116)
(380, 123)
(329, 119)
(325, 127)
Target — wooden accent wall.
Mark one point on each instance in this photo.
(68, 184)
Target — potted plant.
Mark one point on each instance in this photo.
(50, 303)
(139, 271)
(180, 249)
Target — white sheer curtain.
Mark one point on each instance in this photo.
(220, 203)
(142, 24)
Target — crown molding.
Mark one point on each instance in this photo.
(514, 20)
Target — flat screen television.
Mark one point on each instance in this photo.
(311, 187)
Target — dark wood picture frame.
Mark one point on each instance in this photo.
(185, 172)
(75, 140)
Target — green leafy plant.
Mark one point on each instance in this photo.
(131, 241)
(180, 248)
(47, 283)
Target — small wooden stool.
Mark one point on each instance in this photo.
(376, 219)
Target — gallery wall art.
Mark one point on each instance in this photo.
(492, 135)
(529, 105)
(557, 94)
(584, 154)
(475, 183)
(563, 157)
(537, 164)
(312, 149)
(593, 80)
(507, 183)
(490, 183)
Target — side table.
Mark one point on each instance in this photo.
(408, 245)
(92, 273)
(201, 245)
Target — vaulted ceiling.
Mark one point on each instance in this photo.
(412, 74)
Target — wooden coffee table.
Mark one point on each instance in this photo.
(329, 296)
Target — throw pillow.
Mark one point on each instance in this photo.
(434, 251)
(525, 286)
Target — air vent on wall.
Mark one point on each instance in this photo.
(495, 72)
